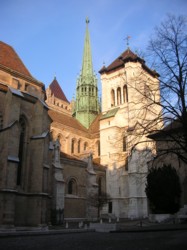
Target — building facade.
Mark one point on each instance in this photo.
(58, 157)
(25, 156)
(126, 84)
(114, 136)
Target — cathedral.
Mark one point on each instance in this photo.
(58, 157)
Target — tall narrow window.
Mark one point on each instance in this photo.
(73, 146)
(21, 148)
(72, 187)
(125, 94)
(110, 207)
(100, 186)
(1, 120)
(79, 146)
(124, 144)
(85, 146)
(118, 96)
(112, 98)
(98, 148)
(147, 91)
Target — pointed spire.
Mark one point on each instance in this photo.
(87, 68)
(87, 106)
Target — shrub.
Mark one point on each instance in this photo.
(163, 189)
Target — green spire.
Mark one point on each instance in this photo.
(87, 105)
(87, 68)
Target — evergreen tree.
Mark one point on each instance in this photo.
(163, 189)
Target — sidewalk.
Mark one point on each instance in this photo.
(127, 226)
(146, 226)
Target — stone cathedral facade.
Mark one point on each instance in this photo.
(56, 155)
(112, 132)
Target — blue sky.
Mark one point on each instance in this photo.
(48, 35)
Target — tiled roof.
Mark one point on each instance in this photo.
(126, 56)
(94, 127)
(10, 59)
(118, 62)
(66, 120)
(57, 91)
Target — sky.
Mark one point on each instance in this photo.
(48, 35)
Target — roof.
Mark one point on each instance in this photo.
(66, 120)
(94, 127)
(70, 157)
(109, 113)
(173, 127)
(10, 59)
(57, 91)
(126, 56)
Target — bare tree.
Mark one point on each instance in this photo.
(98, 201)
(167, 52)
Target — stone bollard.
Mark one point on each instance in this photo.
(101, 221)
(80, 224)
(109, 220)
(67, 226)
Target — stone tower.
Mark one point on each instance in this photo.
(127, 84)
(86, 104)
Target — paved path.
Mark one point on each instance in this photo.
(164, 240)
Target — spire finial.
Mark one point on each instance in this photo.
(127, 39)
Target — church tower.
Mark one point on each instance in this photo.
(86, 104)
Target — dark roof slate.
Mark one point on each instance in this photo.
(126, 56)
(57, 91)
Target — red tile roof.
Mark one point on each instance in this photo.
(10, 59)
(94, 127)
(66, 120)
(126, 56)
(57, 91)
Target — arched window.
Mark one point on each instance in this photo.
(118, 96)
(124, 144)
(98, 148)
(85, 146)
(79, 146)
(1, 120)
(22, 124)
(147, 91)
(125, 93)
(112, 98)
(72, 186)
(73, 146)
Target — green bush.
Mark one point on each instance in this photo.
(163, 189)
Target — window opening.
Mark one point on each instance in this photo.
(21, 149)
(72, 187)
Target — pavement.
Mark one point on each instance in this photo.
(113, 227)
